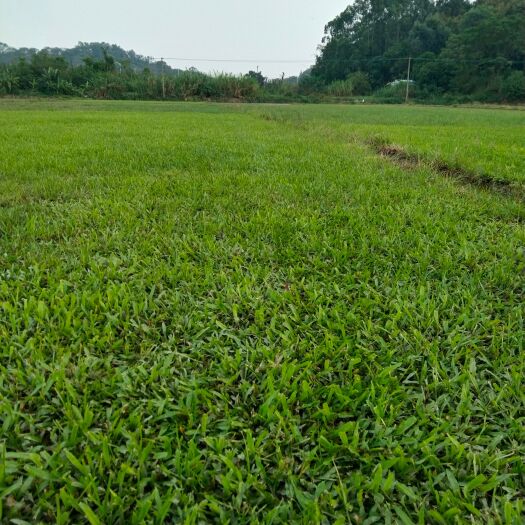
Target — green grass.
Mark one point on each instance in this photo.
(485, 141)
(241, 314)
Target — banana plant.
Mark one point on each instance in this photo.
(8, 81)
(50, 79)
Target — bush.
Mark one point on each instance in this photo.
(65, 87)
(9, 82)
(280, 88)
(310, 84)
(341, 88)
(192, 84)
(391, 92)
(231, 86)
(355, 84)
(513, 87)
(360, 83)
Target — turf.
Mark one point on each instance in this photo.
(242, 314)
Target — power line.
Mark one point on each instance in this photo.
(378, 58)
(236, 60)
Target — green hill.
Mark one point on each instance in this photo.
(75, 55)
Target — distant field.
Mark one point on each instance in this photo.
(244, 314)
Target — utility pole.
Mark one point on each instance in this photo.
(408, 79)
(163, 84)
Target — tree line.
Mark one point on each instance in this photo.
(452, 50)
(110, 72)
(456, 48)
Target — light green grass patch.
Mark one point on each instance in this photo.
(241, 314)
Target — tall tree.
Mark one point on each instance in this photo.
(371, 36)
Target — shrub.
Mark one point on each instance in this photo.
(309, 84)
(355, 84)
(341, 88)
(65, 87)
(391, 93)
(513, 87)
(360, 83)
(8, 81)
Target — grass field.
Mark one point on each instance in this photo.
(243, 314)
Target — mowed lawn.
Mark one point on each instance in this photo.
(243, 314)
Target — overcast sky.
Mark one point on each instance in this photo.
(258, 31)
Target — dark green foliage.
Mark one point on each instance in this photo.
(456, 48)
(257, 76)
(106, 78)
(460, 51)
(513, 87)
(9, 80)
(93, 51)
(355, 84)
